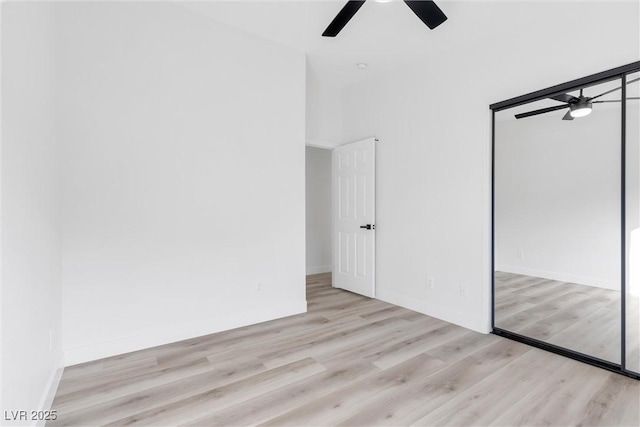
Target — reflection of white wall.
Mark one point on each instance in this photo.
(557, 197)
(634, 263)
(633, 189)
(318, 203)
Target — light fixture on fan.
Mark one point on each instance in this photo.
(581, 108)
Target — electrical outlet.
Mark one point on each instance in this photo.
(463, 290)
(520, 255)
(259, 287)
(429, 282)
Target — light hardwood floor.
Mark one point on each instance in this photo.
(574, 316)
(349, 361)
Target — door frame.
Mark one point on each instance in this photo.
(330, 146)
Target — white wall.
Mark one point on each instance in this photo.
(318, 208)
(557, 195)
(433, 159)
(323, 112)
(183, 177)
(31, 283)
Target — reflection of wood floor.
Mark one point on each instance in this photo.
(578, 317)
(350, 360)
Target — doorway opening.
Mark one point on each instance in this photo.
(318, 210)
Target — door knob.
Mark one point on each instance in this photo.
(368, 226)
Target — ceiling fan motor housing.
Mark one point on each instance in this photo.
(581, 108)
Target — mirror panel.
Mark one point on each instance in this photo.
(632, 190)
(557, 213)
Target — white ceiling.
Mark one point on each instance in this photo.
(388, 36)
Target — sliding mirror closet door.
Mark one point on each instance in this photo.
(632, 191)
(557, 221)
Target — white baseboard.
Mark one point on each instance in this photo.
(561, 277)
(166, 335)
(318, 270)
(50, 391)
(459, 318)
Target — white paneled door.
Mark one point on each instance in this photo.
(354, 235)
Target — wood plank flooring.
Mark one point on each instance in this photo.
(578, 317)
(349, 361)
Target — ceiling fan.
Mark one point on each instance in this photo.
(427, 11)
(578, 106)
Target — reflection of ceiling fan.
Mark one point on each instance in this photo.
(427, 11)
(578, 107)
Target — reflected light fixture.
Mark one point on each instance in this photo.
(581, 108)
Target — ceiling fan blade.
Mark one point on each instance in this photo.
(613, 90)
(564, 97)
(342, 18)
(428, 12)
(568, 116)
(541, 111)
(615, 100)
